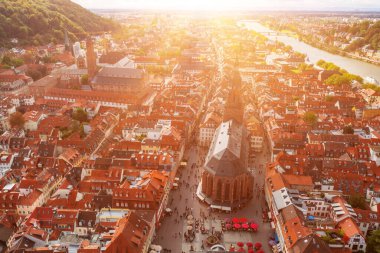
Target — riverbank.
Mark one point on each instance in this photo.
(337, 51)
(330, 49)
(314, 54)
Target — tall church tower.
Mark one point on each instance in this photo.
(67, 42)
(91, 58)
(234, 105)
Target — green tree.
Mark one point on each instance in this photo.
(373, 242)
(353, 77)
(355, 45)
(371, 86)
(320, 63)
(37, 72)
(357, 201)
(39, 22)
(6, 60)
(17, 120)
(310, 118)
(303, 66)
(82, 134)
(80, 115)
(348, 129)
(12, 61)
(17, 62)
(48, 59)
(328, 65)
(296, 98)
(84, 79)
(34, 74)
(329, 98)
(338, 80)
(288, 49)
(28, 58)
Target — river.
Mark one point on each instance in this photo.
(353, 66)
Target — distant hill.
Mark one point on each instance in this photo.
(39, 22)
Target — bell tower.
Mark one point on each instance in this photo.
(91, 58)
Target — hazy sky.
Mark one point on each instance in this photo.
(233, 4)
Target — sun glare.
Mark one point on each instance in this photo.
(194, 5)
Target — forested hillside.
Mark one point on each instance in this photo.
(39, 22)
(370, 34)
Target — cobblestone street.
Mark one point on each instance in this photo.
(170, 233)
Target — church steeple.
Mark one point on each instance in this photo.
(67, 41)
(91, 58)
(234, 105)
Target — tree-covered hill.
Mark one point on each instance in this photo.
(39, 22)
(370, 34)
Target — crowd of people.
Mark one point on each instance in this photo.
(183, 198)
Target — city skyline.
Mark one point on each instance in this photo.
(228, 5)
(160, 126)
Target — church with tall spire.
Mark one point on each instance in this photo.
(226, 182)
(234, 105)
(68, 46)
